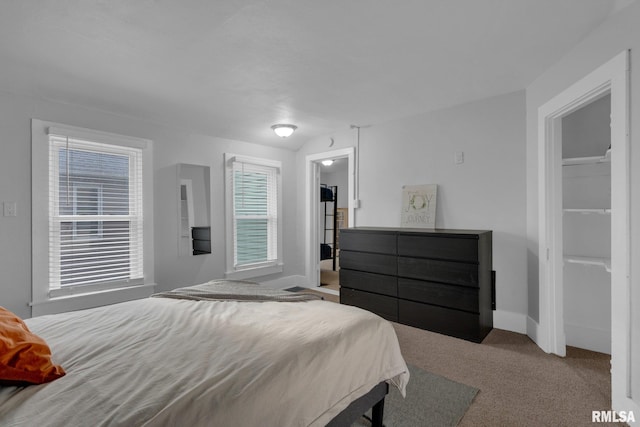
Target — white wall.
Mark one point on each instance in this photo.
(487, 191)
(208, 151)
(618, 33)
(15, 185)
(171, 146)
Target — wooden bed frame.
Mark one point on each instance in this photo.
(373, 400)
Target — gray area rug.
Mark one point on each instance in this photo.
(431, 401)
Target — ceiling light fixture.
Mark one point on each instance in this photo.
(284, 130)
(327, 162)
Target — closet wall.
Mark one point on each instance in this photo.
(586, 191)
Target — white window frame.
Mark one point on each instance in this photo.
(259, 269)
(46, 300)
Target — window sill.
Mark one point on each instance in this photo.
(254, 272)
(90, 299)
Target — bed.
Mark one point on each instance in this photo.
(190, 358)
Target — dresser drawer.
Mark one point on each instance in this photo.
(381, 243)
(372, 263)
(383, 306)
(446, 321)
(456, 273)
(439, 247)
(460, 297)
(370, 282)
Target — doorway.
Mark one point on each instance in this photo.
(611, 79)
(586, 226)
(315, 218)
(334, 215)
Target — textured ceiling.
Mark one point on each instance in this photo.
(233, 68)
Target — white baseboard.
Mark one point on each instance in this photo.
(287, 282)
(576, 336)
(588, 338)
(533, 331)
(509, 321)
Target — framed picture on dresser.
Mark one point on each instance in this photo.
(419, 206)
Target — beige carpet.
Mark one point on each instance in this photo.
(519, 384)
(329, 278)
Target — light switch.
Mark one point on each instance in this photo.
(10, 209)
(458, 158)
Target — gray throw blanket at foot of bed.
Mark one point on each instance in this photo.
(234, 290)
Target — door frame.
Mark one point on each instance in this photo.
(312, 241)
(612, 77)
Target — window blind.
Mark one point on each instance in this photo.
(255, 213)
(95, 214)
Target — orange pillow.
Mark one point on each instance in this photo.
(25, 358)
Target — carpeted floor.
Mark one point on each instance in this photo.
(329, 278)
(519, 384)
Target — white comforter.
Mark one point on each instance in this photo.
(163, 362)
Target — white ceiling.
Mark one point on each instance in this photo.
(232, 68)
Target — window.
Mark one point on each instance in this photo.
(95, 213)
(253, 190)
(89, 227)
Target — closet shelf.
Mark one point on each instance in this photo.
(602, 211)
(585, 160)
(602, 262)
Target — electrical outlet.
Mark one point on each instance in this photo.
(10, 209)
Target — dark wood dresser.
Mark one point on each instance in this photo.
(439, 280)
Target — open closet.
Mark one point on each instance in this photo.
(585, 284)
(586, 225)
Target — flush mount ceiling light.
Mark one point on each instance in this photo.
(327, 162)
(284, 130)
